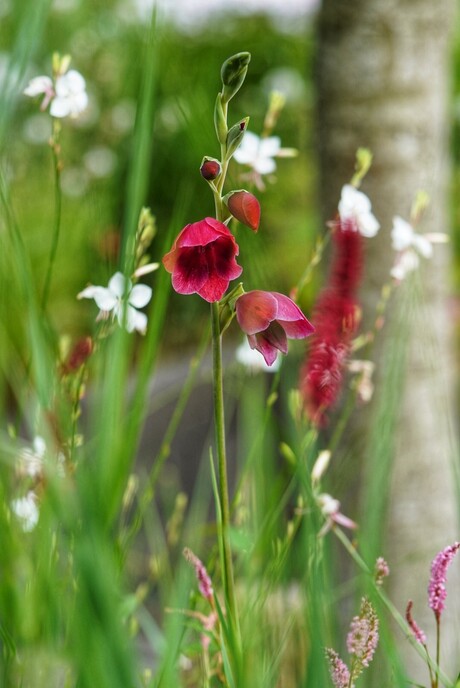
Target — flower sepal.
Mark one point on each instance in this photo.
(227, 306)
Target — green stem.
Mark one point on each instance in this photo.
(438, 649)
(219, 421)
(57, 213)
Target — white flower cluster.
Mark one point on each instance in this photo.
(67, 93)
(122, 300)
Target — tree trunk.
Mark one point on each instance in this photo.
(383, 83)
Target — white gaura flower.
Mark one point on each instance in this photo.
(31, 459)
(26, 510)
(122, 300)
(355, 205)
(404, 236)
(67, 94)
(259, 152)
(410, 246)
(71, 97)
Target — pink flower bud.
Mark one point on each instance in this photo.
(245, 207)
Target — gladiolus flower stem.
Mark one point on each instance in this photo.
(219, 421)
(54, 143)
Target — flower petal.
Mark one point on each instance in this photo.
(291, 318)
(368, 224)
(140, 295)
(423, 245)
(261, 345)
(105, 299)
(213, 289)
(255, 310)
(190, 270)
(117, 284)
(269, 146)
(60, 107)
(402, 234)
(38, 85)
(264, 165)
(221, 258)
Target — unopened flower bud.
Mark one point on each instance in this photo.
(210, 169)
(233, 73)
(235, 136)
(245, 207)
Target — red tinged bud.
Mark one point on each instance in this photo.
(202, 260)
(80, 353)
(210, 169)
(245, 207)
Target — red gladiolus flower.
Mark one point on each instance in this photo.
(202, 260)
(269, 318)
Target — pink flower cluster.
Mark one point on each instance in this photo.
(437, 592)
(362, 642)
(340, 673)
(202, 576)
(363, 636)
(381, 570)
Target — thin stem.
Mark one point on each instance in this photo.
(57, 212)
(438, 648)
(219, 421)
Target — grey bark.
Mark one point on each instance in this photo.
(383, 82)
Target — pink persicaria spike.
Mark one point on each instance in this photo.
(363, 637)
(381, 570)
(437, 592)
(340, 674)
(417, 632)
(202, 576)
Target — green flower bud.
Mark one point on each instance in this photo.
(235, 136)
(233, 73)
(220, 120)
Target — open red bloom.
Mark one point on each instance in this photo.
(202, 260)
(269, 318)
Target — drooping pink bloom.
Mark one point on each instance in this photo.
(419, 635)
(269, 319)
(330, 508)
(336, 318)
(202, 576)
(340, 673)
(363, 637)
(437, 592)
(202, 260)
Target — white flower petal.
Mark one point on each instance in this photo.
(423, 245)
(26, 510)
(105, 299)
(140, 295)
(407, 262)
(117, 284)
(368, 225)
(402, 234)
(264, 165)
(41, 84)
(39, 446)
(269, 146)
(352, 202)
(134, 320)
(60, 107)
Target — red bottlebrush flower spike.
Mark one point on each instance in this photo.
(202, 260)
(335, 317)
